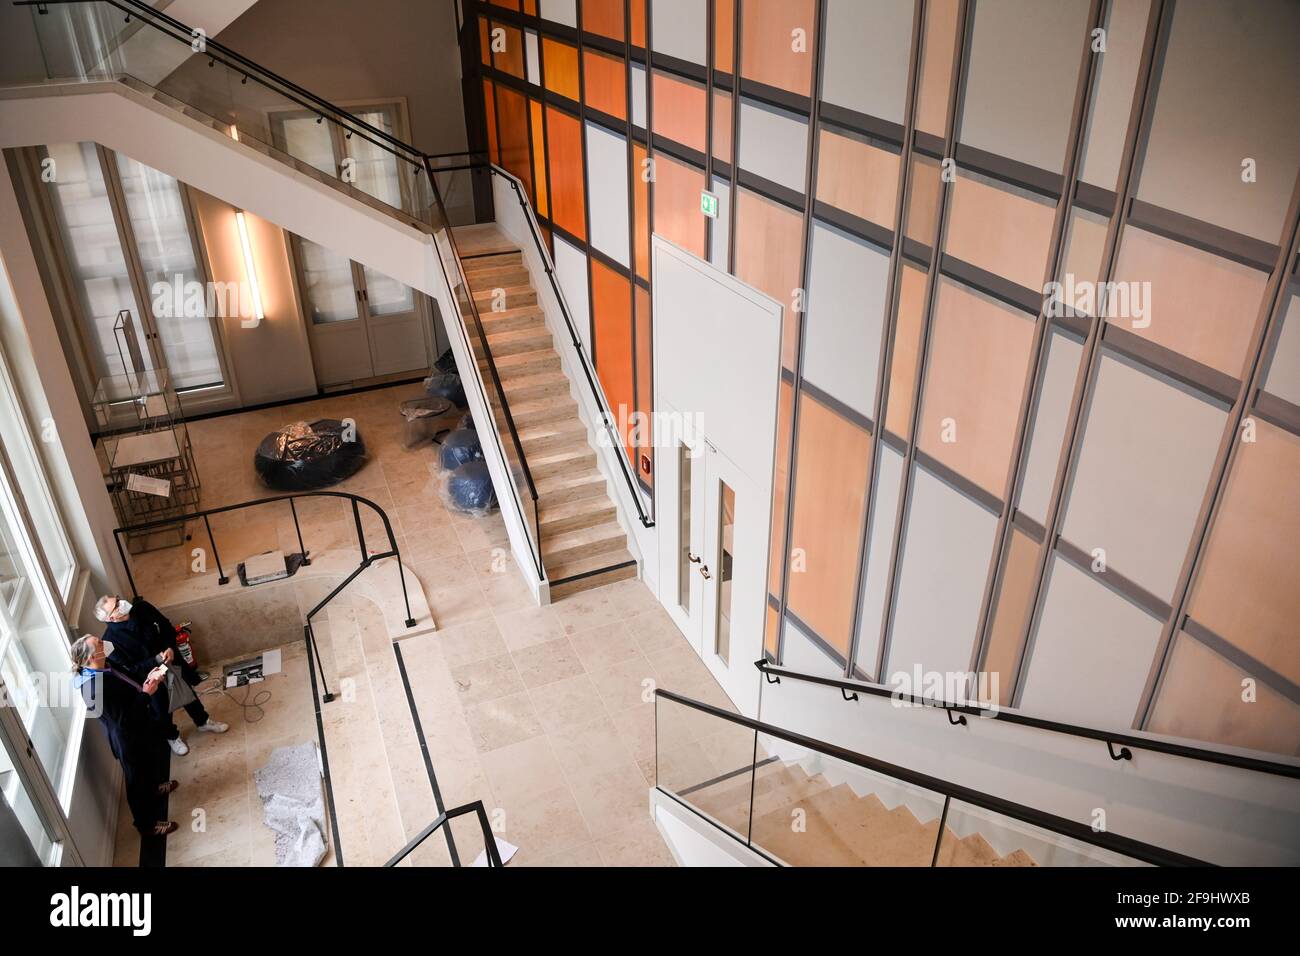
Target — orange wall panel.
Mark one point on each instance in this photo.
(768, 39)
(568, 196)
(560, 67)
(606, 79)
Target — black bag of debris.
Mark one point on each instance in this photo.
(446, 385)
(466, 422)
(304, 456)
(446, 363)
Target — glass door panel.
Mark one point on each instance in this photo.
(725, 567)
(328, 284)
(385, 296)
(685, 557)
(161, 229)
(96, 264)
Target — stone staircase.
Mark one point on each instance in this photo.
(839, 828)
(583, 545)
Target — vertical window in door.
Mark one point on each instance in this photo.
(96, 263)
(165, 245)
(378, 173)
(684, 561)
(726, 568)
(327, 278)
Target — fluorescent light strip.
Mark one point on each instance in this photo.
(249, 268)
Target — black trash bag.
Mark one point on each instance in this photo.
(307, 455)
(446, 363)
(460, 447)
(467, 421)
(469, 489)
(446, 385)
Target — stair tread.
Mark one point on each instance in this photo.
(585, 565)
(605, 531)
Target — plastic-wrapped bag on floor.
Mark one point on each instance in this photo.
(446, 362)
(468, 489)
(458, 448)
(446, 385)
(425, 418)
(467, 421)
(304, 456)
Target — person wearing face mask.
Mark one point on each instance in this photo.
(123, 707)
(143, 639)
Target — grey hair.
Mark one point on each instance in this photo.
(82, 652)
(102, 612)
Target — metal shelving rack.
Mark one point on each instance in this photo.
(146, 455)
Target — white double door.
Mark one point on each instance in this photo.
(362, 323)
(714, 542)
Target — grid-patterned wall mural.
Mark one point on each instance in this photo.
(1040, 398)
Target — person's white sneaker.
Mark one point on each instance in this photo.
(179, 747)
(214, 727)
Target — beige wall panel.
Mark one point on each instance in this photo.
(1246, 587)
(979, 354)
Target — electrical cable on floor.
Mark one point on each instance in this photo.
(253, 710)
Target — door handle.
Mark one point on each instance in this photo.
(704, 570)
(693, 558)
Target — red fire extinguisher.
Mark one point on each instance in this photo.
(183, 642)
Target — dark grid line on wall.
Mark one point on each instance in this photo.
(1068, 193)
(1042, 338)
(1272, 310)
(964, 28)
(1142, 107)
(887, 331)
(798, 316)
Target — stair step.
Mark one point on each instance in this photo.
(972, 850)
(524, 317)
(561, 516)
(571, 545)
(541, 411)
(557, 488)
(492, 260)
(1016, 858)
(508, 297)
(817, 843)
(506, 276)
(574, 458)
(546, 436)
(547, 383)
(599, 570)
(527, 363)
(532, 339)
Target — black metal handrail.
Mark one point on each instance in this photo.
(1127, 742)
(588, 369)
(443, 819)
(1083, 833)
(492, 367)
(421, 163)
(367, 559)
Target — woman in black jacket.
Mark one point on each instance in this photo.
(122, 706)
(143, 638)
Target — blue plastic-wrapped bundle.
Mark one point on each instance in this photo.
(469, 489)
(446, 385)
(459, 448)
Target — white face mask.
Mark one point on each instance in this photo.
(108, 648)
(123, 607)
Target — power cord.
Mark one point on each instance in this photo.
(252, 704)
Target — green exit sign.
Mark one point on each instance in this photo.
(709, 204)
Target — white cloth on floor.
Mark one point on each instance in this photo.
(293, 805)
